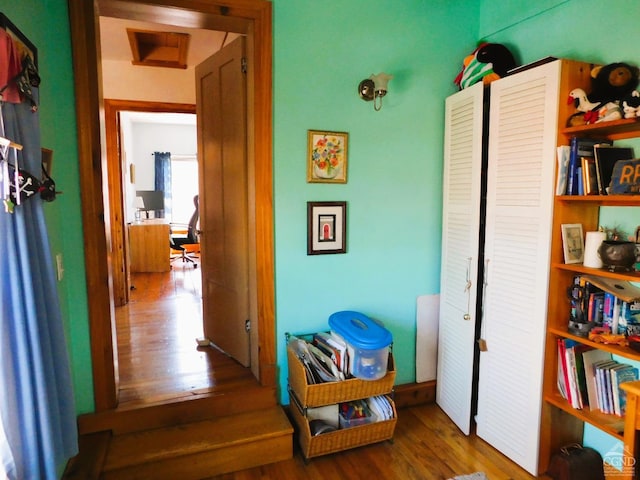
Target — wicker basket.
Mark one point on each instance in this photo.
(305, 396)
(331, 442)
(335, 392)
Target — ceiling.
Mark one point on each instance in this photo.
(114, 42)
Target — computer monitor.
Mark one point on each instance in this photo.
(153, 202)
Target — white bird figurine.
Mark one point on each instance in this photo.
(580, 100)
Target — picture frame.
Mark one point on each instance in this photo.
(572, 242)
(326, 227)
(327, 156)
(23, 44)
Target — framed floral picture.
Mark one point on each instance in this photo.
(327, 157)
(326, 227)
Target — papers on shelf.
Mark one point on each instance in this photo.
(319, 367)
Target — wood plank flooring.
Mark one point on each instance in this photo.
(157, 352)
(426, 446)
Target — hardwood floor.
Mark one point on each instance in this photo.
(159, 363)
(157, 352)
(426, 446)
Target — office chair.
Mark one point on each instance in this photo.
(177, 242)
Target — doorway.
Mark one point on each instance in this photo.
(253, 20)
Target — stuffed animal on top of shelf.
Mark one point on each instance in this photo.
(488, 62)
(613, 95)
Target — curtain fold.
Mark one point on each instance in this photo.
(163, 178)
(38, 432)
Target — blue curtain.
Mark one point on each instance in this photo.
(163, 178)
(38, 430)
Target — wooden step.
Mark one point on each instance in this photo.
(201, 449)
(194, 409)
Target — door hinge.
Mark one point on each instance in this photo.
(243, 65)
(247, 325)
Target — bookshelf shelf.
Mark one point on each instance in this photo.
(579, 269)
(613, 349)
(602, 200)
(614, 130)
(611, 424)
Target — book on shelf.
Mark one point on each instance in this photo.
(603, 385)
(610, 374)
(605, 157)
(590, 358)
(579, 147)
(573, 380)
(627, 375)
(589, 179)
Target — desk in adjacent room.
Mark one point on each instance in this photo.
(149, 246)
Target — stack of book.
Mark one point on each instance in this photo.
(590, 378)
(325, 357)
(585, 167)
(592, 302)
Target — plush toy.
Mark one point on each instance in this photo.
(631, 105)
(488, 62)
(612, 91)
(613, 82)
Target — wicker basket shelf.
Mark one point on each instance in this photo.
(305, 396)
(336, 392)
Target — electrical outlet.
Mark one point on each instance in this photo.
(59, 267)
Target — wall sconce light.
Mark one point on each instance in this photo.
(374, 88)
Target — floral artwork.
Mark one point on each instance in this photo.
(327, 160)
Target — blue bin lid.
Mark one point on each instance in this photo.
(360, 330)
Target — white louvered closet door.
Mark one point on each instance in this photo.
(522, 141)
(460, 239)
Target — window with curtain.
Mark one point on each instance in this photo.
(184, 186)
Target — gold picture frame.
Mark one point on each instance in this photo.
(572, 242)
(327, 156)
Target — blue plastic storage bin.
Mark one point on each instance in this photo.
(368, 343)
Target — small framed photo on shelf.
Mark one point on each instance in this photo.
(327, 156)
(572, 242)
(326, 227)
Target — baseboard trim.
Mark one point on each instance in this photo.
(413, 394)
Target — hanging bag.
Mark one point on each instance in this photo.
(575, 462)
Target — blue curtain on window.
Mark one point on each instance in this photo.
(38, 430)
(163, 178)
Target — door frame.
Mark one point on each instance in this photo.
(250, 17)
(116, 173)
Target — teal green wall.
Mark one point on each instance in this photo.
(46, 24)
(394, 189)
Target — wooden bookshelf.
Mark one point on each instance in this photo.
(561, 423)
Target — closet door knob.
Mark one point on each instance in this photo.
(467, 316)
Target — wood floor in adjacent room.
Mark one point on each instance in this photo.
(158, 358)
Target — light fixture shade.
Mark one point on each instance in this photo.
(139, 203)
(381, 80)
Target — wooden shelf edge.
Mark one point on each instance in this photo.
(617, 128)
(602, 200)
(610, 424)
(597, 272)
(613, 349)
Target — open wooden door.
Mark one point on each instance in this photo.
(224, 199)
